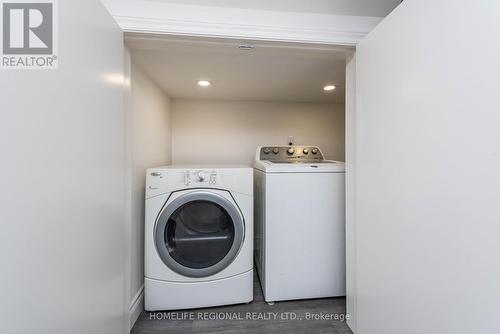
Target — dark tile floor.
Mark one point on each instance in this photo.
(277, 318)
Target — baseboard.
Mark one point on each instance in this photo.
(137, 306)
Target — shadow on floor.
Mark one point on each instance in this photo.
(257, 317)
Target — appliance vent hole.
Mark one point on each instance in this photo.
(246, 47)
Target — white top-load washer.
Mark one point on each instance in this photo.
(299, 223)
(198, 237)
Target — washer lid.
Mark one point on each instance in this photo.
(324, 166)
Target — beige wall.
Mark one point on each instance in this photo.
(148, 144)
(221, 132)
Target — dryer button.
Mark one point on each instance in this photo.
(187, 178)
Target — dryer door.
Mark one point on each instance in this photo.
(199, 233)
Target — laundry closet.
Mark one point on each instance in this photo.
(215, 101)
(422, 216)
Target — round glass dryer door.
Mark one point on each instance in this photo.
(199, 234)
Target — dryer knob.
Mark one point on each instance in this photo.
(201, 176)
(305, 151)
(314, 151)
(267, 150)
(276, 150)
(290, 151)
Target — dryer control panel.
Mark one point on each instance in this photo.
(200, 177)
(165, 179)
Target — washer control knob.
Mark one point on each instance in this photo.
(315, 151)
(276, 150)
(290, 151)
(267, 150)
(305, 151)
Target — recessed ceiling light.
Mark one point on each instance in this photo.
(329, 88)
(204, 83)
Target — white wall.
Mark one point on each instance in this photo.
(127, 76)
(62, 231)
(229, 132)
(148, 145)
(427, 170)
(351, 245)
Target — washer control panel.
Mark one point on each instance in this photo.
(201, 177)
(290, 153)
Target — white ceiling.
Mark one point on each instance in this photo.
(270, 72)
(377, 8)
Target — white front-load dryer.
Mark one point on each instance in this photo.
(198, 237)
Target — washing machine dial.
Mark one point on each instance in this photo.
(276, 150)
(305, 151)
(314, 151)
(267, 150)
(290, 151)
